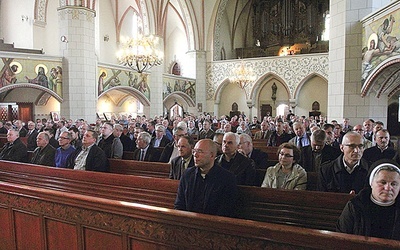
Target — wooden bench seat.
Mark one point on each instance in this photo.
(131, 167)
(261, 204)
(38, 218)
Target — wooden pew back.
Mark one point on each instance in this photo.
(131, 167)
(262, 204)
(37, 218)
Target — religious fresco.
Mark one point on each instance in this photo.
(47, 74)
(173, 84)
(380, 41)
(108, 78)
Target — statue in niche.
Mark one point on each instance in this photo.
(274, 90)
(235, 107)
(315, 106)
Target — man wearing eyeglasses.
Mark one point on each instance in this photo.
(207, 187)
(64, 150)
(348, 173)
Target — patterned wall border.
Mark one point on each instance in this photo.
(292, 69)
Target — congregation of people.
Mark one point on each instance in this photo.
(211, 156)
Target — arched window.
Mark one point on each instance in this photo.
(176, 69)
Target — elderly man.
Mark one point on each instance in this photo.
(171, 150)
(184, 160)
(44, 153)
(360, 129)
(368, 126)
(348, 173)
(206, 132)
(381, 150)
(89, 157)
(22, 131)
(207, 188)
(318, 152)
(14, 149)
(65, 149)
(32, 135)
(160, 140)
(301, 139)
(144, 151)
(241, 166)
(111, 147)
(264, 133)
(259, 157)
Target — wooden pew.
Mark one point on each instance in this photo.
(131, 167)
(37, 218)
(262, 204)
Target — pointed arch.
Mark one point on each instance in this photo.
(130, 91)
(218, 91)
(304, 81)
(32, 86)
(261, 82)
(184, 96)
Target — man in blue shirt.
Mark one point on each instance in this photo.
(64, 150)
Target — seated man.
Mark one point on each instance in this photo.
(171, 150)
(184, 160)
(89, 157)
(242, 167)
(259, 157)
(264, 133)
(316, 154)
(207, 188)
(348, 173)
(64, 150)
(32, 135)
(44, 153)
(381, 150)
(301, 139)
(160, 140)
(107, 143)
(144, 151)
(14, 149)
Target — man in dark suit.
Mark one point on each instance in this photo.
(259, 157)
(44, 154)
(89, 157)
(32, 134)
(242, 167)
(160, 139)
(22, 131)
(144, 151)
(318, 152)
(14, 149)
(185, 159)
(171, 150)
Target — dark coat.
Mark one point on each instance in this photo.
(127, 143)
(260, 158)
(220, 192)
(333, 177)
(167, 152)
(176, 170)
(374, 154)
(356, 216)
(242, 167)
(23, 132)
(14, 152)
(31, 141)
(328, 153)
(106, 145)
(96, 159)
(204, 135)
(152, 154)
(44, 156)
(275, 140)
(164, 141)
(53, 142)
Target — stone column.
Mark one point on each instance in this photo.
(198, 71)
(156, 94)
(79, 62)
(344, 88)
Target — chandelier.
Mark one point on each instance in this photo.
(242, 75)
(141, 53)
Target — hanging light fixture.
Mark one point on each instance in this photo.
(141, 53)
(242, 75)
